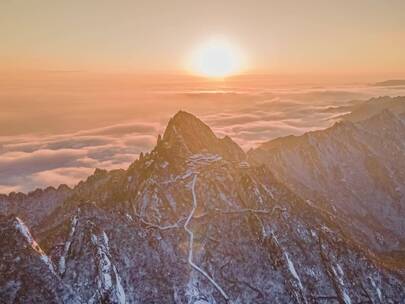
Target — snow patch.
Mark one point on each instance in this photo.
(23, 229)
(293, 271)
(120, 290)
(339, 274)
(66, 248)
(109, 282)
(377, 289)
(268, 191)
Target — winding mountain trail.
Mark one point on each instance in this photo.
(191, 241)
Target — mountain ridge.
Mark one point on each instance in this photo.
(192, 223)
(328, 160)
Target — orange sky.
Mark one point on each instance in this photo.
(91, 83)
(304, 37)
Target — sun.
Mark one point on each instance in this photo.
(216, 59)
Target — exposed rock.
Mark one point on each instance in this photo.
(33, 207)
(355, 171)
(195, 222)
(27, 273)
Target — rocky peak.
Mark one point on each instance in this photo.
(187, 134)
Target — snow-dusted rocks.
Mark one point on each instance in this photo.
(354, 171)
(23, 229)
(109, 287)
(27, 272)
(66, 248)
(194, 221)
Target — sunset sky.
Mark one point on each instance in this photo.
(279, 37)
(91, 83)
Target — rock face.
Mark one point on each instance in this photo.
(357, 171)
(194, 221)
(32, 208)
(188, 134)
(27, 273)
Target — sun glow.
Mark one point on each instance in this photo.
(216, 59)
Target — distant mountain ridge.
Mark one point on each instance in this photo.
(369, 108)
(357, 169)
(392, 82)
(197, 220)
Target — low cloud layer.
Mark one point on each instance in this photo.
(28, 161)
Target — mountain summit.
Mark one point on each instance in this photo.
(188, 134)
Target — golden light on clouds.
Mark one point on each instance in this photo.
(216, 58)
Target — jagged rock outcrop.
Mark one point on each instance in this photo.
(34, 206)
(27, 273)
(194, 222)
